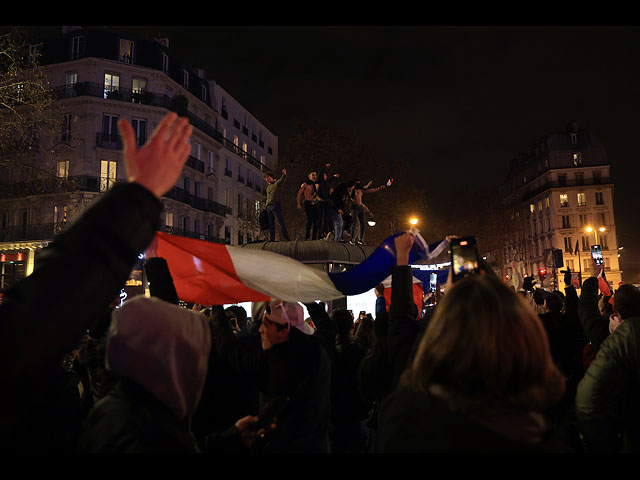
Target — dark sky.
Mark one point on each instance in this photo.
(462, 101)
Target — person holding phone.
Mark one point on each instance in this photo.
(472, 385)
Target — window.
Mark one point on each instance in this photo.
(60, 214)
(577, 159)
(196, 226)
(586, 264)
(187, 185)
(62, 170)
(564, 200)
(547, 202)
(168, 219)
(197, 150)
(240, 239)
(34, 53)
(110, 130)
(165, 62)
(582, 200)
(569, 264)
(210, 231)
(78, 45)
(532, 208)
(66, 129)
(71, 79)
(584, 219)
(185, 79)
(597, 177)
(566, 221)
(599, 198)
(185, 224)
(227, 234)
(140, 128)
(585, 243)
(562, 180)
(196, 189)
(579, 178)
(203, 92)
(567, 245)
(240, 205)
(574, 138)
(227, 197)
(107, 174)
(211, 157)
(111, 84)
(210, 194)
(138, 87)
(604, 242)
(126, 51)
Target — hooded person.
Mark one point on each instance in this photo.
(160, 352)
(293, 363)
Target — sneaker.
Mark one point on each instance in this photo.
(360, 242)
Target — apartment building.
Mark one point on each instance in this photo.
(559, 196)
(98, 77)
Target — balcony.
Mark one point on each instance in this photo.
(109, 141)
(240, 179)
(532, 192)
(80, 183)
(196, 164)
(41, 231)
(228, 173)
(203, 204)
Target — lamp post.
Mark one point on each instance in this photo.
(595, 232)
(413, 221)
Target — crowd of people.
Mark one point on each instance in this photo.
(332, 212)
(483, 368)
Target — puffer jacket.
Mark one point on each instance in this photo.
(608, 395)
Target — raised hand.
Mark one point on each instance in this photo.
(157, 165)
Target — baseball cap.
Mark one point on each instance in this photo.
(290, 313)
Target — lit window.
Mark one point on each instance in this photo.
(62, 170)
(577, 159)
(126, 51)
(111, 84)
(107, 174)
(564, 200)
(168, 219)
(532, 208)
(582, 199)
(547, 202)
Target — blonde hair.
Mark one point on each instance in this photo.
(484, 347)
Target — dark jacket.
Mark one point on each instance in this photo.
(609, 394)
(415, 421)
(298, 368)
(347, 404)
(40, 317)
(594, 325)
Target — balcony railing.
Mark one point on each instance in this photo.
(187, 233)
(532, 192)
(40, 231)
(203, 204)
(196, 164)
(153, 99)
(109, 140)
(50, 185)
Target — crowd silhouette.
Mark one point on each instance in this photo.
(479, 367)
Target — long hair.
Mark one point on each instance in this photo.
(485, 348)
(365, 334)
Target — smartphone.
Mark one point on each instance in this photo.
(433, 280)
(596, 253)
(269, 412)
(464, 257)
(363, 313)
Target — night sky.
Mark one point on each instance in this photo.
(459, 101)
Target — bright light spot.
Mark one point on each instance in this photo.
(602, 229)
(589, 229)
(371, 223)
(413, 221)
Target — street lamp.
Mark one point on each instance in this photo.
(595, 233)
(413, 221)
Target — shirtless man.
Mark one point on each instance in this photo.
(307, 193)
(359, 210)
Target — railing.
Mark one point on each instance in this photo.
(111, 141)
(203, 204)
(196, 164)
(153, 99)
(532, 192)
(187, 233)
(40, 231)
(54, 185)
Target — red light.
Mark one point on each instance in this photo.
(3, 258)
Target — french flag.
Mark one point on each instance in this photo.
(215, 274)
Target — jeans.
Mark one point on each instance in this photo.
(359, 222)
(336, 219)
(311, 210)
(275, 213)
